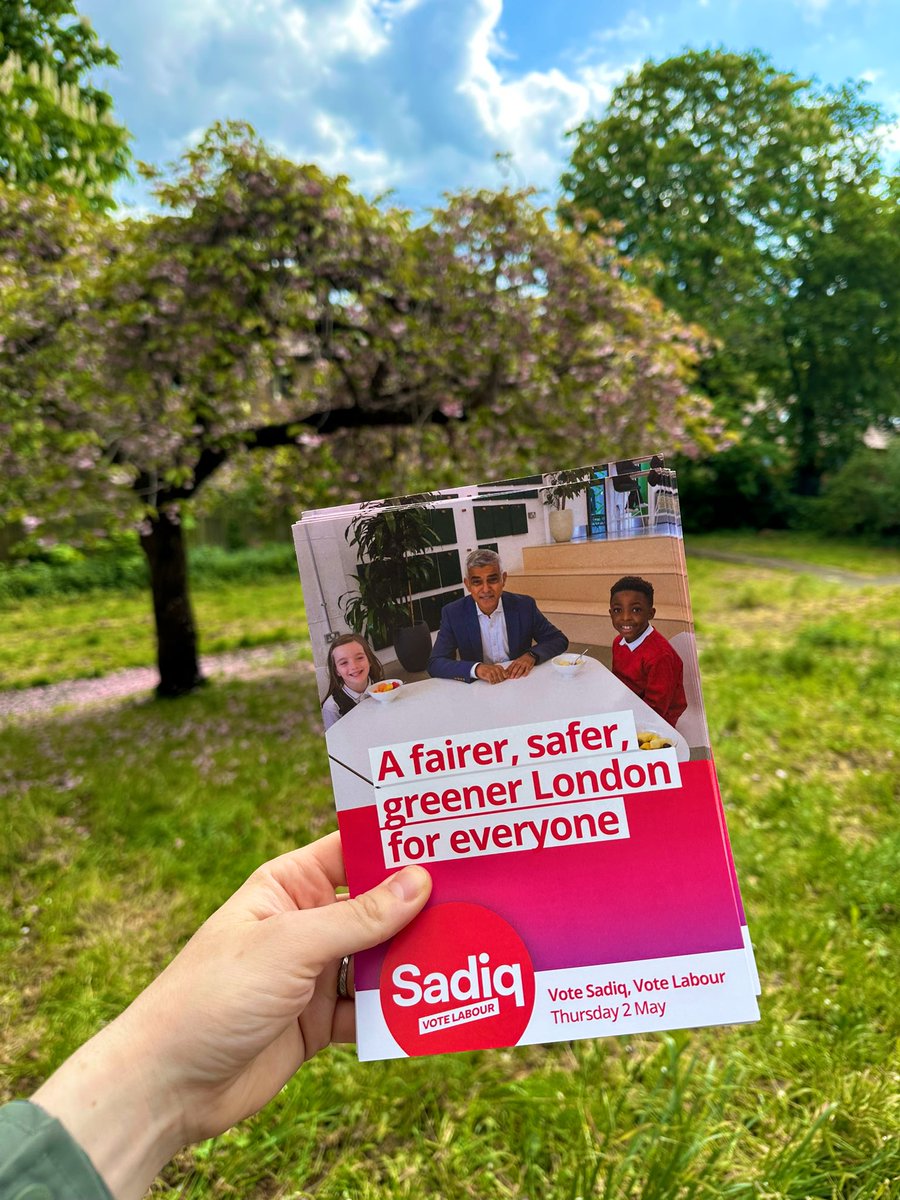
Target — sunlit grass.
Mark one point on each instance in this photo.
(130, 824)
(844, 554)
(82, 637)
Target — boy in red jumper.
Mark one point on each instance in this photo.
(642, 658)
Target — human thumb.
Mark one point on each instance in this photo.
(369, 918)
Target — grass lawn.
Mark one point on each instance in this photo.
(86, 636)
(130, 824)
(778, 543)
(82, 637)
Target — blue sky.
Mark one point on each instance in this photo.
(418, 97)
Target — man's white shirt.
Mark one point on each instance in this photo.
(494, 638)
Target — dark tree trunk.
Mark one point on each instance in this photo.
(162, 541)
(808, 457)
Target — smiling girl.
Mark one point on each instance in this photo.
(352, 667)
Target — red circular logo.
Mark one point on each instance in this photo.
(458, 978)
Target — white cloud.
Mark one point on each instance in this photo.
(842, 13)
(418, 95)
(421, 95)
(635, 26)
(397, 8)
(391, 95)
(525, 117)
(339, 154)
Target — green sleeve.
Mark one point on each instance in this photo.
(40, 1161)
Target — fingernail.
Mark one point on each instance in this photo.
(408, 883)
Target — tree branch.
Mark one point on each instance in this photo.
(266, 437)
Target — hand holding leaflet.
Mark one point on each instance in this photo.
(250, 998)
(583, 884)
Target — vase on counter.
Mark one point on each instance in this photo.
(562, 524)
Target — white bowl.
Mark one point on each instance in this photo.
(644, 736)
(567, 665)
(389, 694)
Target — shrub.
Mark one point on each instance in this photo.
(126, 571)
(744, 487)
(863, 497)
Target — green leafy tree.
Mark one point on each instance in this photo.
(732, 185)
(841, 332)
(269, 305)
(55, 126)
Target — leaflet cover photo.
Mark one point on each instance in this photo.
(511, 698)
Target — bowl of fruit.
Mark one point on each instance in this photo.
(568, 665)
(650, 739)
(385, 690)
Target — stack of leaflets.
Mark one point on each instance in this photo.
(543, 752)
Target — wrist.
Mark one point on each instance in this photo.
(111, 1100)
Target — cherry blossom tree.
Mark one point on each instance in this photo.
(269, 304)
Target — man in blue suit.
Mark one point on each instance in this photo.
(487, 628)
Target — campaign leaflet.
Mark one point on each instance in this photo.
(583, 883)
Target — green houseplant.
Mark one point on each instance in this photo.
(563, 486)
(391, 538)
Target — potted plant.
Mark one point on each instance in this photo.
(562, 487)
(391, 538)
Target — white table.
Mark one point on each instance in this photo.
(444, 707)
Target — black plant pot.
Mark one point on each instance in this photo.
(413, 646)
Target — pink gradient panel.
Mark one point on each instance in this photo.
(666, 890)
